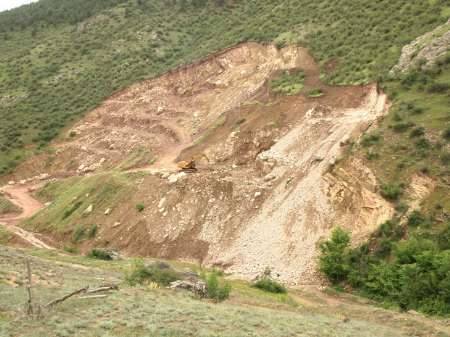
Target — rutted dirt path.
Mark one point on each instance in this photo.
(21, 196)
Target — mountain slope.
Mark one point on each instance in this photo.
(51, 74)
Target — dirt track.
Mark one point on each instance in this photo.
(21, 196)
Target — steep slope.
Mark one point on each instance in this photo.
(263, 195)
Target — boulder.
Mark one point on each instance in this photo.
(198, 287)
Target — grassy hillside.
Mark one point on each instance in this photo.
(148, 311)
(406, 262)
(62, 58)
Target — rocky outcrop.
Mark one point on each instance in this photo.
(425, 49)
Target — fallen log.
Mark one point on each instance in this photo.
(62, 299)
(93, 296)
(101, 289)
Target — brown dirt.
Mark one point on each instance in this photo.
(22, 197)
(263, 195)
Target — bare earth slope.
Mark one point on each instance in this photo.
(263, 195)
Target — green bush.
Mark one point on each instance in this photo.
(333, 260)
(78, 234)
(140, 207)
(446, 134)
(71, 250)
(317, 92)
(290, 83)
(267, 283)
(216, 290)
(100, 254)
(161, 274)
(369, 140)
(391, 192)
(413, 275)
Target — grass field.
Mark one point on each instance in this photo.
(142, 311)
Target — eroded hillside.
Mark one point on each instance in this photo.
(264, 193)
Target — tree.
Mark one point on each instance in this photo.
(334, 260)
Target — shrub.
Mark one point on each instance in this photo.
(216, 291)
(417, 132)
(446, 134)
(267, 283)
(333, 262)
(72, 209)
(438, 88)
(371, 139)
(444, 238)
(71, 250)
(100, 254)
(140, 207)
(161, 274)
(415, 219)
(423, 143)
(78, 234)
(290, 83)
(92, 231)
(402, 127)
(317, 92)
(391, 192)
(445, 158)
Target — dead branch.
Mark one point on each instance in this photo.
(102, 289)
(28, 285)
(93, 296)
(62, 299)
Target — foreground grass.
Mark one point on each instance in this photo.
(140, 311)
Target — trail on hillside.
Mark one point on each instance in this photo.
(22, 197)
(167, 161)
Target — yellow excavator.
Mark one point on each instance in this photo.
(190, 165)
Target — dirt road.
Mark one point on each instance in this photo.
(21, 196)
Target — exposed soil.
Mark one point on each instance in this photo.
(265, 191)
(21, 196)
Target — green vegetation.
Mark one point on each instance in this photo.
(406, 263)
(267, 283)
(159, 273)
(100, 254)
(71, 197)
(289, 83)
(7, 206)
(140, 208)
(141, 311)
(411, 273)
(315, 93)
(5, 236)
(81, 233)
(60, 58)
(217, 291)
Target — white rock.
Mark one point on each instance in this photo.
(269, 177)
(108, 211)
(89, 209)
(116, 224)
(161, 202)
(12, 182)
(257, 194)
(173, 178)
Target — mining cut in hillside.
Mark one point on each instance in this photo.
(264, 191)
